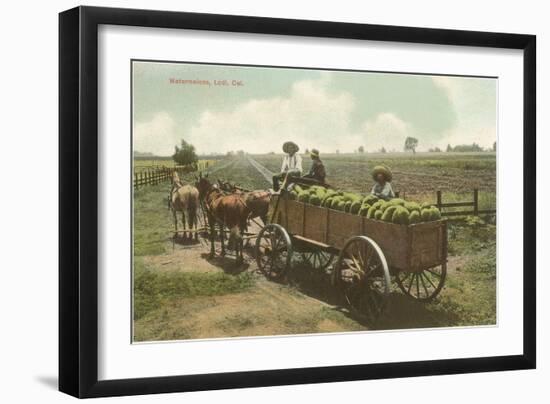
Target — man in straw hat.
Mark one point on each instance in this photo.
(317, 170)
(382, 188)
(292, 164)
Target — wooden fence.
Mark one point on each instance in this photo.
(157, 175)
(473, 205)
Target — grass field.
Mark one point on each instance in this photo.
(417, 177)
(179, 293)
(141, 164)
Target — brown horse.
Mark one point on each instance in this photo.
(184, 199)
(225, 210)
(257, 201)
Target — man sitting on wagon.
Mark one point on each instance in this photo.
(382, 188)
(292, 164)
(317, 170)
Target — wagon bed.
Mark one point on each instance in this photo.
(370, 252)
(410, 248)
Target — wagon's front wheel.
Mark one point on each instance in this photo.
(273, 251)
(363, 276)
(425, 285)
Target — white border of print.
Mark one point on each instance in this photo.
(119, 359)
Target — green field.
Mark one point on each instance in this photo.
(417, 177)
(180, 294)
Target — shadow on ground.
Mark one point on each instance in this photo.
(401, 311)
(226, 263)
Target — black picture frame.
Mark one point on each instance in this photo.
(78, 205)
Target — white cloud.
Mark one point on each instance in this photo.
(472, 104)
(386, 130)
(311, 116)
(157, 136)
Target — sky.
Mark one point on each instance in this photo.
(220, 108)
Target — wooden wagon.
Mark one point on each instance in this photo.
(369, 252)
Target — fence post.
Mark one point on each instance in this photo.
(476, 199)
(439, 203)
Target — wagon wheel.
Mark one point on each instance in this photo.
(318, 259)
(363, 276)
(273, 251)
(424, 285)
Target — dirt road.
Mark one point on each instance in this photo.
(267, 308)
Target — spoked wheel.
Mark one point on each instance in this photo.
(273, 251)
(318, 259)
(363, 276)
(422, 286)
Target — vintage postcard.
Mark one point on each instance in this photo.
(282, 201)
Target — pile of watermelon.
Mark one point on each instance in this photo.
(395, 210)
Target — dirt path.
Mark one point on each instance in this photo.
(268, 175)
(267, 308)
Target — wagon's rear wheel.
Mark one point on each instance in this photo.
(273, 251)
(425, 285)
(318, 259)
(363, 276)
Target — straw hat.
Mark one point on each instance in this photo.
(385, 171)
(314, 153)
(288, 145)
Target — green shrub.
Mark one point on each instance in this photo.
(298, 188)
(414, 217)
(341, 206)
(292, 195)
(378, 215)
(388, 213)
(364, 210)
(400, 215)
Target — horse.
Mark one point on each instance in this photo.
(184, 199)
(226, 210)
(257, 201)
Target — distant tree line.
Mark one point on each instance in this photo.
(467, 148)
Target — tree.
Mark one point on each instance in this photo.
(449, 148)
(466, 148)
(307, 151)
(495, 146)
(382, 150)
(361, 149)
(411, 143)
(185, 154)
